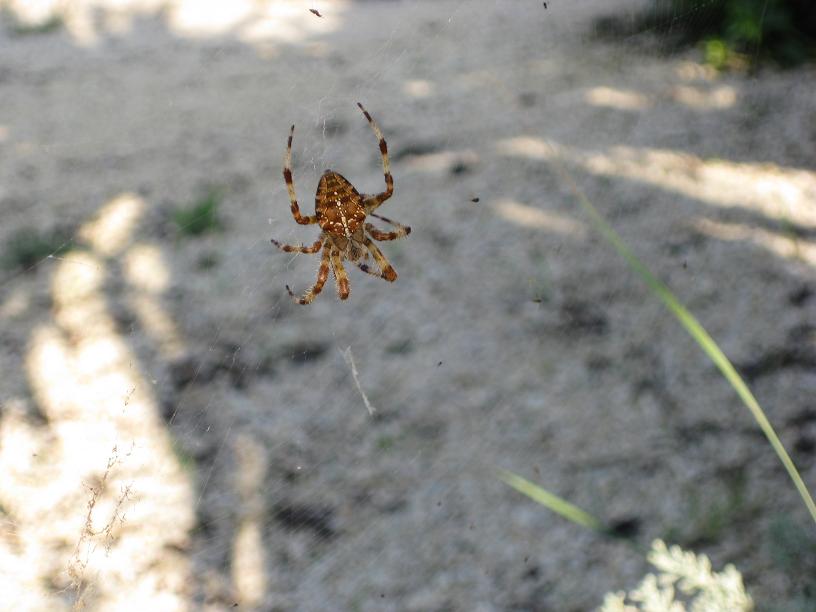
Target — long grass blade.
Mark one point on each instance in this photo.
(696, 330)
(553, 502)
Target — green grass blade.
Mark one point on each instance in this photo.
(553, 502)
(697, 331)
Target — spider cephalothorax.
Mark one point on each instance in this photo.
(341, 213)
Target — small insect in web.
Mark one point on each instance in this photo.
(341, 211)
(315, 12)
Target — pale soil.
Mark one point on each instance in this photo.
(246, 467)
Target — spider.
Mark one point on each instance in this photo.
(340, 211)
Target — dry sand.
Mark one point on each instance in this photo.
(176, 434)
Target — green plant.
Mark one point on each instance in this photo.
(781, 30)
(708, 516)
(18, 27)
(183, 456)
(207, 261)
(201, 216)
(703, 589)
(742, 31)
(793, 550)
(695, 330)
(29, 246)
(679, 570)
(792, 547)
(732, 33)
(385, 443)
(553, 502)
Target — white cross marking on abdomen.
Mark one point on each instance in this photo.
(343, 219)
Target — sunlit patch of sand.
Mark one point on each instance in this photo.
(530, 216)
(526, 146)
(443, 161)
(768, 188)
(97, 494)
(418, 88)
(778, 193)
(783, 244)
(249, 571)
(692, 71)
(109, 233)
(147, 274)
(617, 98)
(718, 98)
(15, 303)
(251, 21)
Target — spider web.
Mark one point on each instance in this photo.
(176, 433)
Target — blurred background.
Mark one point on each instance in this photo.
(177, 434)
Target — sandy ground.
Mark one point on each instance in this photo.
(176, 434)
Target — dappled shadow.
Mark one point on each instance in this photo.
(513, 337)
(100, 506)
(100, 471)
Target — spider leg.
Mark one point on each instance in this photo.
(340, 274)
(386, 269)
(367, 269)
(290, 185)
(378, 234)
(288, 248)
(389, 221)
(322, 275)
(371, 202)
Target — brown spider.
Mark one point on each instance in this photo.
(341, 213)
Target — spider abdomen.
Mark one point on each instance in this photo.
(338, 205)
